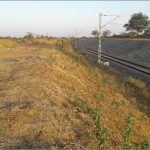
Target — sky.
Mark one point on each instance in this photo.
(64, 18)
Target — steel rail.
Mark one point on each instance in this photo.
(116, 60)
(145, 67)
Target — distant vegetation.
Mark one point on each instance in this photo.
(138, 26)
(138, 23)
(106, 33)
(95, 33)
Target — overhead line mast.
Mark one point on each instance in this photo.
(100, 38)
(100, 33)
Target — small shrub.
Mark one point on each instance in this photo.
(81, 60)
(145, 145)
(81, 106)
(128, 132)
(135, 83)
(8, 105)
(26, 104)
(63, 44)
(29, 35)
(102, 96)
(115, 104)
(102, 134)
(77, 56)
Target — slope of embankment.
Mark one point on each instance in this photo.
(53, 97)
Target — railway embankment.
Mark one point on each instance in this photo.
(135, 50)
(53, 97)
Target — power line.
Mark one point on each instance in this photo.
(124, 15)
(100, 33)
(100, 38)
(110, 21)
(110, 15)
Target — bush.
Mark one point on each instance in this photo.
(143, 145)
(63, 44)
(136, 83)
(81, 106)
(29, 35)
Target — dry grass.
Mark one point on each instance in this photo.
(39, 85)
(8, 43)
(136, 83)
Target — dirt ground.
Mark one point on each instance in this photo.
(39, 84)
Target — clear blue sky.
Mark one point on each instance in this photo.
(61, 18)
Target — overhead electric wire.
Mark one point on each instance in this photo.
(110, 21)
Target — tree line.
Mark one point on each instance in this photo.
(138, 26)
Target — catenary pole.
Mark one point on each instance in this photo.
(75, 37)
(100, 38)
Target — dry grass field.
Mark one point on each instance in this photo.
(47, 93)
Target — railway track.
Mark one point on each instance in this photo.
(140, 68)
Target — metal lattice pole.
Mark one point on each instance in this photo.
(75, 38)
(100, 38)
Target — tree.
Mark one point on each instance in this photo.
(138, 22)
(106, 33)
(95, 33)
(29, 35)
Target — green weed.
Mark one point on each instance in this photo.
(81, 106)
(128, 132)
(102, 133)
(143, 145)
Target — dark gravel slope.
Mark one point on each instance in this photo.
(133, 50)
